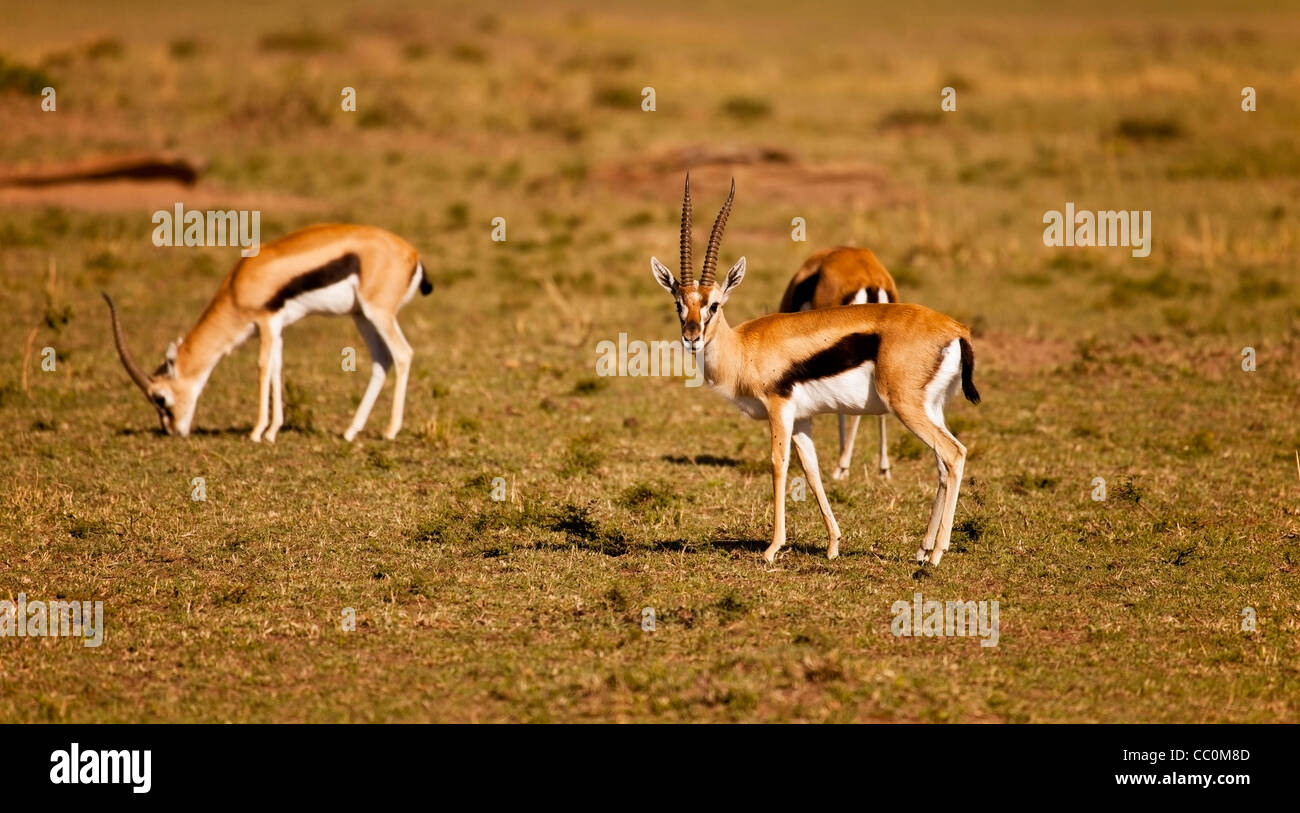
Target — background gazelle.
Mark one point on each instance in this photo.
(332, 269)
(842, 276)
(855, 359)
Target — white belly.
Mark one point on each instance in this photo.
(332, 300)
(852, 392)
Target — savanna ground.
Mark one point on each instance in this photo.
(626, 493)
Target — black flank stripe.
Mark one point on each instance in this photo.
(803, 292)
(851, 351)
(328, 274)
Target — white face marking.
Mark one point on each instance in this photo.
(852, 392)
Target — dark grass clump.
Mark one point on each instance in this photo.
(619, 97)
(1149, 128)
(586, 533)
(746, 108)
(302, 41)
(909, 119)
(18, 78)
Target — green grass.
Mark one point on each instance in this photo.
(630, 493)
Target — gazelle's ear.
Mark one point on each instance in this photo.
(663, 276)
(734, 276)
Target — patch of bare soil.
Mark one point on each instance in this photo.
(764, 171)
(1022, 355)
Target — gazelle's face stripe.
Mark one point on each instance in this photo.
(696, 308)
(330, 273)
(849, 352)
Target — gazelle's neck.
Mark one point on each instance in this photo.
(220, 329)
(721, 358)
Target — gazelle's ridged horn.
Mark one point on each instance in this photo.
(687, 266)
(715, 239)
(137, 375)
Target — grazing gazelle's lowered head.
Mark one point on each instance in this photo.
(867, 359)
(173, 397)
(334, 270)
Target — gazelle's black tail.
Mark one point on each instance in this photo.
(426, 285)
(967, 371)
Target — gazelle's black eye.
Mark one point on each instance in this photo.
(713, 308)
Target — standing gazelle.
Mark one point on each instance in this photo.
(842, 276)
(855, 359)
(330, 269)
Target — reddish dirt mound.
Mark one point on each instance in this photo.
(139, 166)
(141, 180)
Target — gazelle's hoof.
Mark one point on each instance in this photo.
(256, 436)
(884, 473)
(840, 473)
(350, 435)
(922, 556)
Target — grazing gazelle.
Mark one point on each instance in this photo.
(842, 276)
(856, 359)
(330, 269)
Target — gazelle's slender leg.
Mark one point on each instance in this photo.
(381, 360)
(401, 352)
(915, 418)
(803, 445)
(848, 432)
(266, 333)
(277, 388)
(781, 419)
(936, 510)
(884, 451)
(955, 465)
